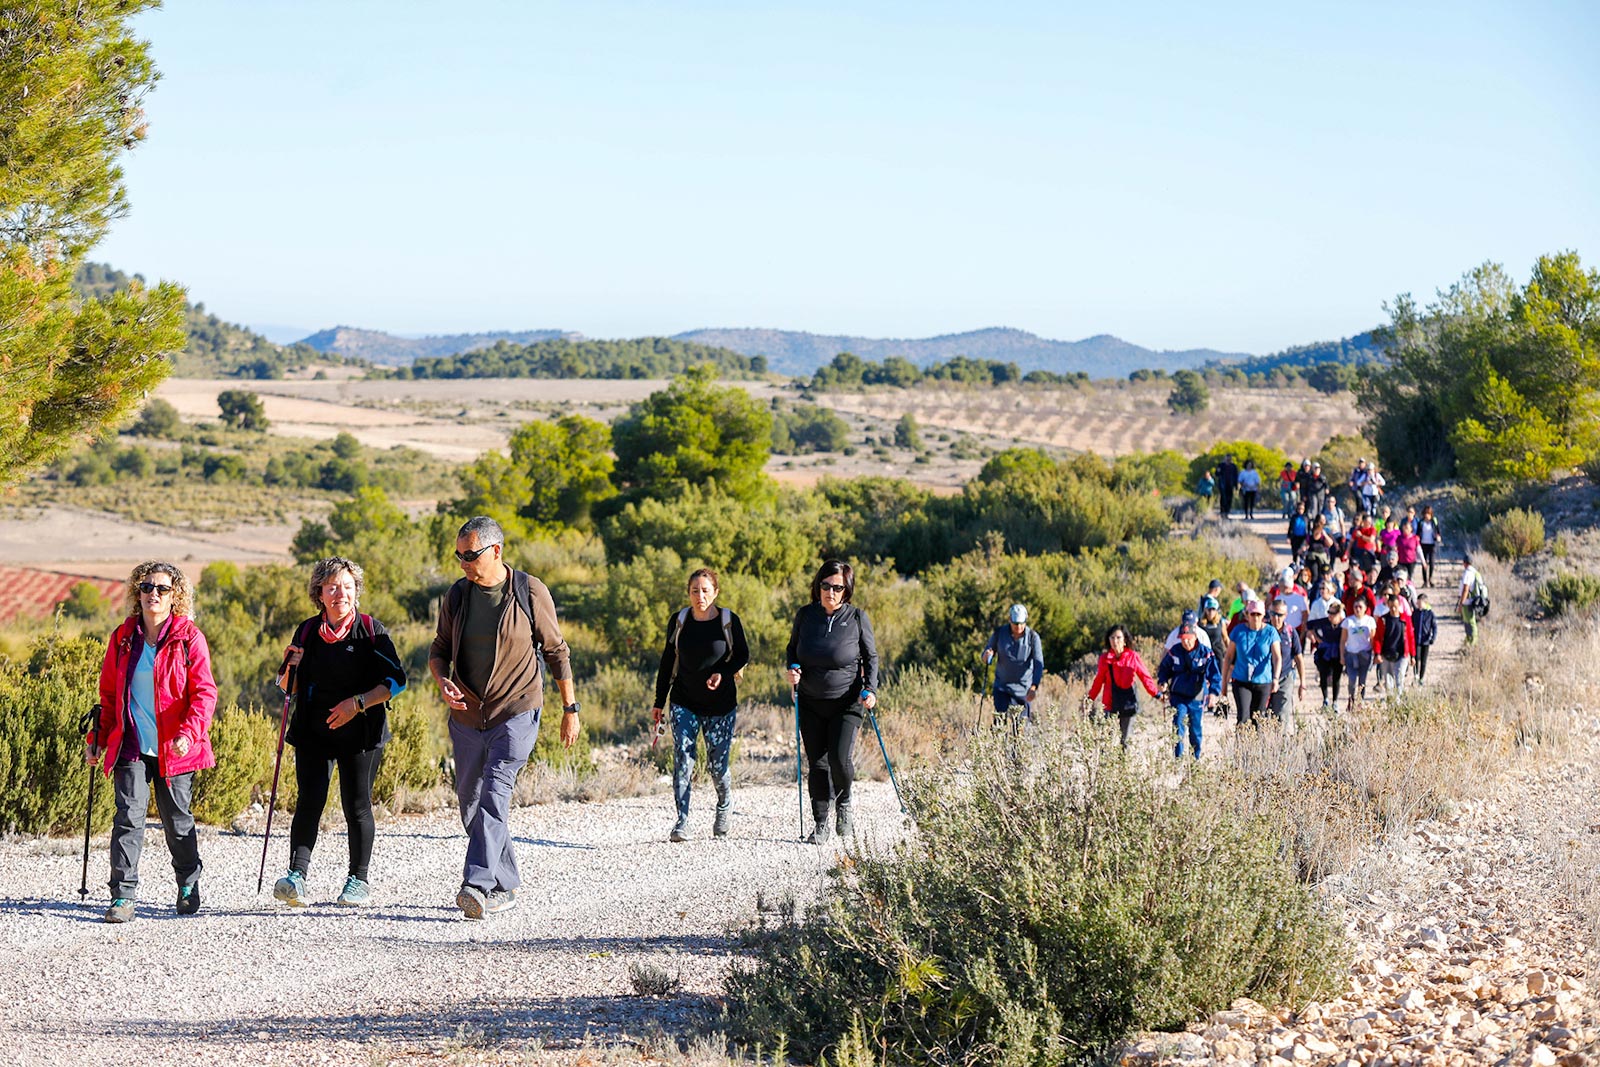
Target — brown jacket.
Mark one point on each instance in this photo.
(515, 684)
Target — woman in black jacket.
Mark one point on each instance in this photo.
(345, 673)
(833, 662)
(705, 651)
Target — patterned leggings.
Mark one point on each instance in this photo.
(686, 729)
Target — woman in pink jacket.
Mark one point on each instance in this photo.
(156, 701)
(1119, 669)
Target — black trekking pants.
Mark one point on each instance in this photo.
(1329, 673)
(1421, 662)
(828, 729)
(313, 772)
(1249, 700)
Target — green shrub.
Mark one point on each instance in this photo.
(244, 743)
(1046, 907)
(411, 758)
(44, 781)
(1514, 534)
(1563, 594)
(86, 601)
(1268, 460)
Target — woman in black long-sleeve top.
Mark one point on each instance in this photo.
(705, 651)
(833, 659)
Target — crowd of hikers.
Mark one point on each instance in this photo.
(1351, 599)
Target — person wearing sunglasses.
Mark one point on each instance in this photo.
(157, 697)
(1291, 671)
(495, 626)
(833, 665)
(346, 671)
(1253, 663)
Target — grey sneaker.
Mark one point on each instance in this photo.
(188, 899)
(680, 831)
(846, 824)
(291, 889)
(500, 900)
(719, 826)
(121, 911)
(471, 901)
(355, 893)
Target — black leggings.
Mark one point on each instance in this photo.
(312, 774)
(1329, 674)
(1250, 698)
(1249, 503)
(1421, 665)
(828, 728)
(1427, 563)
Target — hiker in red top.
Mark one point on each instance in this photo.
(157, 697)
(1119, 668)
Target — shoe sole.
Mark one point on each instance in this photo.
(677, 837)
(116, 921)
(344, 903)
(470, 905)
(288, 898)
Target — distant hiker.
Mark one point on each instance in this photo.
(1372, 488)
(1473, 601)
(1191, 678)
(1316, 493)
(1215, 629)
(1425, 627)
(157, 697)
(1428, 540)
(1363, 542)
(1288, 492)
(1205, 487)
(1299, 530)
(833, 658)
(1320, 550)
(1288, 590)
(697, 682)
(1213, 592)
(1355, 589)
(1395, 644)
(1250, 487)
(1355, 648)
(1253, 663)
(1326, 635)
(1227, 482)
(1291, 679)
(1177, 632)
(1357, 484)
(346, 671)
(1408, 552)
(495, 625)
(1119, 669)
(1018, 657)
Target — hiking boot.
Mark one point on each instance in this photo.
(471, 901)
(121, 911)
(680, 830)
(500, 900)
(355, 893)
(291, 889)
(822, 831)
(846, 823)
(188, 899)
(719, 825)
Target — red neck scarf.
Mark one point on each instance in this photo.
(332, 636)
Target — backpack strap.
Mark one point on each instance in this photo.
(523, 591)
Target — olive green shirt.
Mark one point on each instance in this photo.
(480, 634)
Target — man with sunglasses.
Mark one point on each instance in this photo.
(1291, 676)
(495, 626)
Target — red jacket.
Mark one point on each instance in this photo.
(1122, 670)
(186, 695)
(1411, 634)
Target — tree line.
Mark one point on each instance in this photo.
(644, 357)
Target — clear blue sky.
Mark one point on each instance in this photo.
(1236, 176)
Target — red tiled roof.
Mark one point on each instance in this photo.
(25, 591)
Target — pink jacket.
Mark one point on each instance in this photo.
(186, 695)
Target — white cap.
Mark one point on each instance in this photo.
(1019, 613)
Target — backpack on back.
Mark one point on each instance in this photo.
(727, 635)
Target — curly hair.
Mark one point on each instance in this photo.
(325, 569)
(182, 591)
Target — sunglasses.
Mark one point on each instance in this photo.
(151, 587)
(832, 587)
(1275, 615)
(470, 557)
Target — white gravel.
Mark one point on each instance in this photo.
(249, 980)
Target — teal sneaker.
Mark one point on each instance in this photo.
(355, 893)
(121, 911)
(291, 889)
(188, 899)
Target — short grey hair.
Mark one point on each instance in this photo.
(488, 531)
(325, 569)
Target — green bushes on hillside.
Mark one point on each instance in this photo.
(1513, 534)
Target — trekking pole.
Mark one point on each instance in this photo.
(89, 725)
(984, 686)
(799, 789)
(272, 801)
(886, 761)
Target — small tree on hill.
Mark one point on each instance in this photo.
(1189, 394)
(907, 434)
(242, 409)
(691, 433)
(158, 419)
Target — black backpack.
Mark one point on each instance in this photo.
(1478, 599)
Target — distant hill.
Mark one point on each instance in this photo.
(1351, 350)
(1102, 356)
(216, 348)
(386, 349)
(643, 357)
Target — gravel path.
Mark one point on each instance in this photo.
(248, 980)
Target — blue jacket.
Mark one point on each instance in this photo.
(1427, 626)
(1190, 674)
(1018, 661)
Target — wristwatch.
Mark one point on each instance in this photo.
(361, 703)
(572, 708)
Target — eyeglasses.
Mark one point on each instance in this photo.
(151, 587)
(832, 587)
(470, 557)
